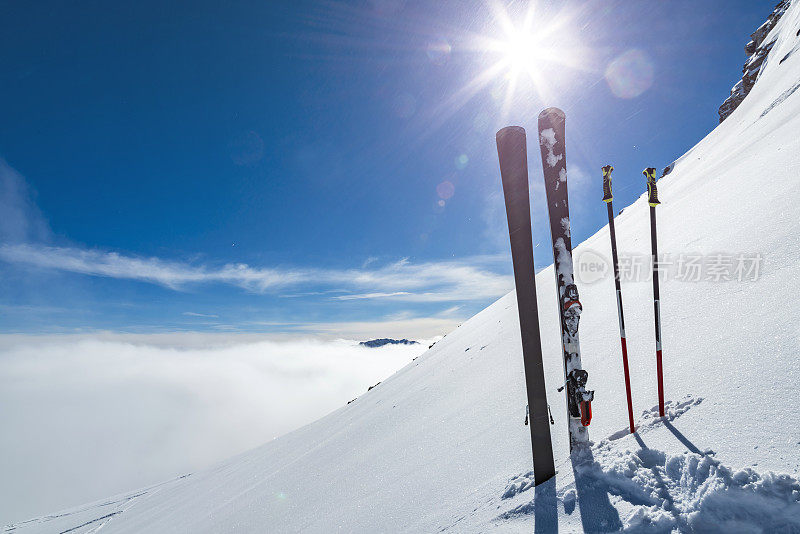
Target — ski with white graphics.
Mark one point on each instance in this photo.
(554, 165)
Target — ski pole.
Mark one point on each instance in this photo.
(513, 154)
(608, 198)
(652, 199)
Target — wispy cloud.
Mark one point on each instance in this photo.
(451, 280)
(398, 328)
(398, 324)
(173, 275)
(577, 174)
(194, 314)
(450, 311)
(21, 219)
(372, 295)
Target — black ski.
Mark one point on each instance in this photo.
(554, 164)
(512, 151)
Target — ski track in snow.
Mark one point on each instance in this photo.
(781, 98)
(90, 518)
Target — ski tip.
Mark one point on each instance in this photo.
(552, 114)
(510, 130)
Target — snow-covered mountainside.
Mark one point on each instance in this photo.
(440, 446)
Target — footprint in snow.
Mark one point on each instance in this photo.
(650, 418)
(657, 492)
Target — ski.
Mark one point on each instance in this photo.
(608, 198)
(513, 155)
(652, 199)
(554, 164)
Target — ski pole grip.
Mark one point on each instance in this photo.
(652, 192)
(607, 195)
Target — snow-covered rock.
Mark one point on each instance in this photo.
(758, 48)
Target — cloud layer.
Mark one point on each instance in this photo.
(90, 416)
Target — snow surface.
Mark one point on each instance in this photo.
(440, 446)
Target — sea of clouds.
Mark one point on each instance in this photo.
(86, 416)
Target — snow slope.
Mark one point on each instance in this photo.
(440, 446)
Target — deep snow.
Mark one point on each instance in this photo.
(440, 446)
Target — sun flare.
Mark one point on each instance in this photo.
(525, 54)
(522, 51)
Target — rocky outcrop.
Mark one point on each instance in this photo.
(757, 50)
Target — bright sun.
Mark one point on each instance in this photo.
(524, 53)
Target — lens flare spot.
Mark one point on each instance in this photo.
(461, 161)
(445, 190)
(630, 74)
(439, 51)
(441, 203)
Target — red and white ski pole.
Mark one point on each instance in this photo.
(652, 199)
(608, 198)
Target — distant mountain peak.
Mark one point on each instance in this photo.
(374, 343)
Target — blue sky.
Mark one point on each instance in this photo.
(318, 167)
